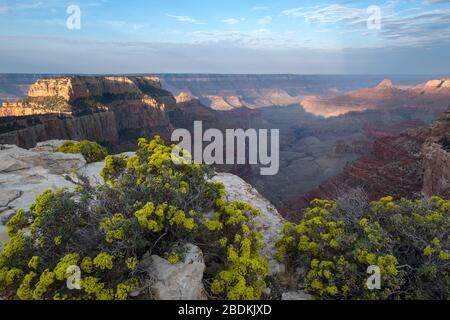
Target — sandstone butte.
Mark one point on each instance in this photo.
(112, 110)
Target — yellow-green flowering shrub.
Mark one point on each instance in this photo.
(333, 245)
(146, 204)
(246, 268)
(91, 151)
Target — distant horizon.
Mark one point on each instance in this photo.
(227, 74)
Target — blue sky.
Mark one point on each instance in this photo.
(236, 36)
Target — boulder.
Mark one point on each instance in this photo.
(92, 170)
(181, 281)
(269, 223)
(25, 174)
(49, 146)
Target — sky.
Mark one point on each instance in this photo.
(233, 36)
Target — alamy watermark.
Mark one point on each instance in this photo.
(230, 149)
(73, 22)
(374, 20)
(374, 281)
(73, 277)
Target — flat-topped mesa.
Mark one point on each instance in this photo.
(113, 110)
(80, 95)
(73, 88)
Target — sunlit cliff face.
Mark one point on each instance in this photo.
(385, 95)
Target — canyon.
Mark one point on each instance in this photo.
(412, 164)
(327, 124)
(227, 92)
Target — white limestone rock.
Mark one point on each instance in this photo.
(49, 146)
(269, 223)
(25, 174)
(181, 281)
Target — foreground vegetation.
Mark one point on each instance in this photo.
(91, 151)
(147, 204)
(332, 247)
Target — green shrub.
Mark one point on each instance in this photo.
(91, 151)
(147, 204)
(330, 250)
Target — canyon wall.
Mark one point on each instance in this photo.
(101, 127)
(408, 165)
(114, 111)
(437, 158)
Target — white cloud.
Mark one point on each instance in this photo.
(231, 21)
(184, 19)
(335, 13)
(23, 6)
(261, 8)
(258, 39)
(398, 28)
(265, 20)
(26, 6)
(124, 25)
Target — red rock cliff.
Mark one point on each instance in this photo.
(437, 159)
(406, 165)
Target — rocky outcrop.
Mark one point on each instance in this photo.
(436, 171)
(184, 96)
(437, 159)
(435, 86)
(24, 174)
(73, 88)
(181, 281)
(269, 223)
